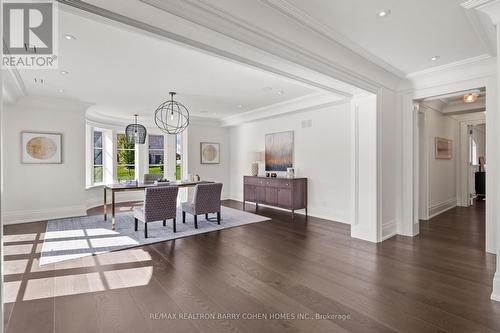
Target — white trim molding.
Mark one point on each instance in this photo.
(495, 295)
(24, 216)
(442, 207)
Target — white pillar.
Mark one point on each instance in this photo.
(492, 9)
(364, 194)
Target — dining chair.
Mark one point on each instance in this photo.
(160, 203)
(206, 200)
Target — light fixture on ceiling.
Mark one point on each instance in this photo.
(470, 97)
(64, 72)
(435, 58)
(281, 92)
(69, 37)
(171, 116)
(384, 13)
(239, 106)
(136, 133)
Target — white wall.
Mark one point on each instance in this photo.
(198, 133)
(34, 192)
(442, 174)
(322, 154)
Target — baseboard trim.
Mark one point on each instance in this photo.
(442, 207)
(26, 216)
(311, 212)
(389, 229)
(495, 295)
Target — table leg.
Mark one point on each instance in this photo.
(113, 224)
(105, 206)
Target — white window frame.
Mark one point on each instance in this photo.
(92, 162)
(136, 151)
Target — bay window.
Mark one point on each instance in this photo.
(125, 157)
(156, 154)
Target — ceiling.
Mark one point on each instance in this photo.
(122, 72)
(406, 39)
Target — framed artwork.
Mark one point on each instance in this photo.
(209, 153)
(41, 148)
(444, 149)
(279, 151)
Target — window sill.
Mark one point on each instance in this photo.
(98, 185)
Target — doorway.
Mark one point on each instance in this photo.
(452, 151)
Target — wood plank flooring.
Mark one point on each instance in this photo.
(269, 274)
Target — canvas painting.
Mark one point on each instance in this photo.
(444, 149)
(44, 148)
(279, 151)
(209, 153)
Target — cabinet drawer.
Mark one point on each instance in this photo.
(255, 181)
(282, 183)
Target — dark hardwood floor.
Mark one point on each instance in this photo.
(439, 281)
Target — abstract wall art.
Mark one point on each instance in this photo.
(444, 149)
(41, 148)
(279, 151)
(209, 153)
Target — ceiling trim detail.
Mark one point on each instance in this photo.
(482, 26)
(309, 102)
(300, 16)
(89, 8)
(451, 65)
(222, 22)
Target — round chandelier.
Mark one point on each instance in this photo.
(136, 133)
(171, 116)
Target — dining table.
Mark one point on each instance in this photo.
(138, 186)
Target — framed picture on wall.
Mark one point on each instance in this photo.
(279, 151)
(444, 150)
(41, 148)
(209, 153)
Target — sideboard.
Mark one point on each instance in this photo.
(287, 193)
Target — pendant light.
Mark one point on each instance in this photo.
(136, 133)
(171, 116)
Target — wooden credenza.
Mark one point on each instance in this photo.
(287, 193)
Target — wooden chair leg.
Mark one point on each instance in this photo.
(218, 217)
(196, 221)
(164, 223)
(145, 230)
(174, 226)
(135, 225)
(206, 216)
(183, 217)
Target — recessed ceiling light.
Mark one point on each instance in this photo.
(435, 58)
(281, 92)
(64, 72)
(69, 37)
(384, 13)
(240, 106)
(470, 97)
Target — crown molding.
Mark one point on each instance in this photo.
(13, 86)
(482, 26)
(470, 4)
(302, 17)
(450, 66)
(309, 102)
(489, 7)
(465, 70)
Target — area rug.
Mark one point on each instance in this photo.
(78, 237)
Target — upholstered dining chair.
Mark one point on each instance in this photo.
(151, 177)
(206, 200)
(160, 203)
